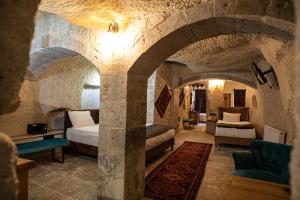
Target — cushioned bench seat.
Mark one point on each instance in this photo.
(258, 174)
(47, 144)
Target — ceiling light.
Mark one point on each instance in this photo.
(113, 27)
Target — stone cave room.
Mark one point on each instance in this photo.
(150, 99)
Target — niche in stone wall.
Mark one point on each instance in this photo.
(254, 101)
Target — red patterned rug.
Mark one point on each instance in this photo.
(180, 175)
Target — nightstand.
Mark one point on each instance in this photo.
(211, 123)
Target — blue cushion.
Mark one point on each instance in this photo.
(258, 174)
(35, 146)
(243, 160)
(269, 162)
(270, 156)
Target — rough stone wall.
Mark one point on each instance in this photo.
(55, 89)
(163, 77)
(8, 175)
(18, 17)
(29, 111)
(63, 83)
(295, 161)
(282, 57)
(14, 49)
(270, 109)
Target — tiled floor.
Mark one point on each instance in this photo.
(76, 178)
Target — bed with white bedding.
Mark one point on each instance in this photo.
(235, 130)
(84, 135)
(89, 135)
(233, 127)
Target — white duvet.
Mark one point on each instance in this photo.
(89, 135)
(235, 132)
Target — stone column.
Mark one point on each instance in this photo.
(295, 162)
(172, 107)
(8, 175)
(121, 158)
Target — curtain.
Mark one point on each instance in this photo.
(200, 101)
(239, 97)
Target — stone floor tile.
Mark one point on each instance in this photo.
(87, 193)
(66, 185)
(32, 185)
(46, 178)
(44, 193)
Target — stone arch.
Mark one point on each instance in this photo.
(174, 34)
(41, 59)
(188, 31)
(52, 31)
(217, 76)
(57, 68)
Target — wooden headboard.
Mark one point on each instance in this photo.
(68, 123)
(243, 110)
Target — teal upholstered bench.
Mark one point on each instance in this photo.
(46, 144)
(188, 121)
(267, 161)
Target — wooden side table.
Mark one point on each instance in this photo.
(30, 137)
(211, 123)
(22, 167)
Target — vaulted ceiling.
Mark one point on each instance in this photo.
(222, 53)
(97, 13)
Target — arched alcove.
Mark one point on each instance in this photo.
(57, 79)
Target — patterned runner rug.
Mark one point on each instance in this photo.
(180, 175)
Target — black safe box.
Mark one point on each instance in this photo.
(37, 128)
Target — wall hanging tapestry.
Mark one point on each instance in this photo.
(180, 175)
(181, 97)
(163, 100)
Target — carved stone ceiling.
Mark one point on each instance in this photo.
(97, 13)
(226, 52)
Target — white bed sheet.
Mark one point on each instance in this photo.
(235, 132)
(89, 135)
(85, 135)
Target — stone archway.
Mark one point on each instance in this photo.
(41, 59)
(217, 76)
(114, 135)
(169, 40)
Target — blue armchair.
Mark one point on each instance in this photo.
(267, 161)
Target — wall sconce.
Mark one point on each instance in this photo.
(113, 27)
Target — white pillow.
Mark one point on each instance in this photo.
(231, 117)
(81, 118)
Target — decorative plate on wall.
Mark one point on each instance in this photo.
(163, 100)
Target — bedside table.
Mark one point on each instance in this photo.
(211, 123)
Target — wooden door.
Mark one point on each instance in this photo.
(227, 100)
(239, 97)
(200, 101)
